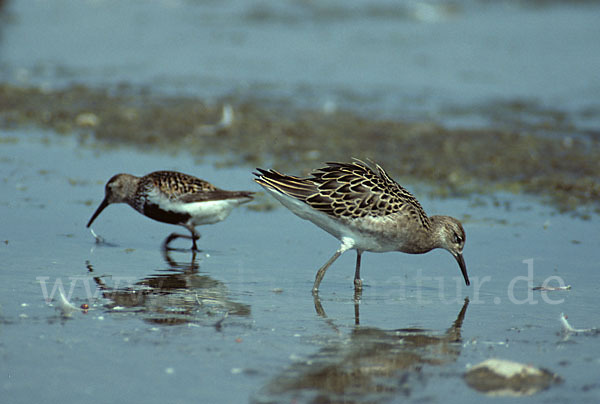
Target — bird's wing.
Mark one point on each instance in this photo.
(186, 188)
(346, 190)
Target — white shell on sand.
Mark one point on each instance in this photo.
(500, 377)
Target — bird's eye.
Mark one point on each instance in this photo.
(457, 239)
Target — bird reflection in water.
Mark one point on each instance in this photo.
(370, 365)
(321, 311)
(177, 295)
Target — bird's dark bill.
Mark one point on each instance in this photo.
(463, 267)
(103, 205)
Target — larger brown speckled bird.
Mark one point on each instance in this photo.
(366, 210)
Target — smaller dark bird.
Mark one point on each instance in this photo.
(173, 197)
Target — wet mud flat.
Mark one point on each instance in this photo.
(237, 322)
(537, 150)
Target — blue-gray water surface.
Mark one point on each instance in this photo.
(237, 322)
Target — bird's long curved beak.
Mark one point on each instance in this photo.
(463, 267)
(103, 205)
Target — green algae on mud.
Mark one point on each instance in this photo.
(563, 167)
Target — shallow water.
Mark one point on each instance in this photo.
(238, 322)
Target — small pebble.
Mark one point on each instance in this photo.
(87, 119)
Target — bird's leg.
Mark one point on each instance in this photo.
(323, 269)
(318, 306)
(170, 238)
(357, 289)
(357, 280)
(195, 236)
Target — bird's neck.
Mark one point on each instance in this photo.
(130, 192)
(436, 230)
(420, 241)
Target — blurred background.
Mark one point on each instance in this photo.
(458, 94)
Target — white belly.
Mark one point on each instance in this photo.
(352, 235)
(209, 212)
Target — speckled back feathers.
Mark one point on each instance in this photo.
(348, 190)
(185, 188)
